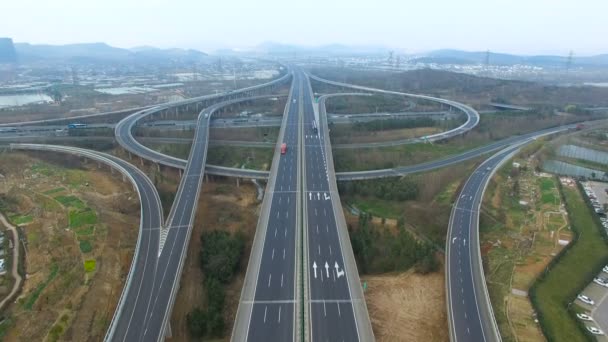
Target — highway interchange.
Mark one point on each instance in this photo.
(300, 228)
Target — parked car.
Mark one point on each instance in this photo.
(595, 331)
(605, 269)
(585, 299)
(600, 282)
(584, 317)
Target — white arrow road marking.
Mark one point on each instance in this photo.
(327, 269)
(464, 241)
(338, 272)
(326, 196)
(314, 267)
(310, 196)
(453, 240)
(318, 196)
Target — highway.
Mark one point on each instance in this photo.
(268, 305)
(336, 306)
(147, 316)
(472, 114)
(124, 137)
(146, 251)
(470, 314)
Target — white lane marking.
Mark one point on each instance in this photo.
(287, 214)
(265, 310)
(324, 309)
(275, 232)
(272, 254)
(329, 249)
(317, 229)
(281, 279)
(269, 277)
(279, 314)
(283, 253)
(339, 313)
(319, 249)
(285, 232)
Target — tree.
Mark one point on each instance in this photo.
(197, 322)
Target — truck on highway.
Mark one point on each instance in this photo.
(76, 125)
(314, 127)
(283, 148)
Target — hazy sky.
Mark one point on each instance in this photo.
(517, 26)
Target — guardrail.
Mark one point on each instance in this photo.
(107, 159)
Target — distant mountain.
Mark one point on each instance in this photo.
(479, 57)
(149, 52)
(7, 51)
(101, 52)
(273, 48)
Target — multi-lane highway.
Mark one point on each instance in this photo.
(335, 303)
(146, 317)
(269, 301)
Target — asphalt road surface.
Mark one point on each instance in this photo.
(330, 305)
(267, 311)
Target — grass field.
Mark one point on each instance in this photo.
(89, 265)
(85, 246)
(31, 299)
(571, 273)
(79, 218)
(70, 201)
(54, 191)
(21, 219)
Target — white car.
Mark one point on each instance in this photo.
(600, 282)
(605, 269)
(585, 299)
(584, 317)
(595, 331)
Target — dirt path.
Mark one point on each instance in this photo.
(16, 259)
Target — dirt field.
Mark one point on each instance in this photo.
(519, 239)
(407, 306)
(80, 224)
(225, 207)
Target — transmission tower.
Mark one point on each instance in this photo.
(569, 60)
(487, 60)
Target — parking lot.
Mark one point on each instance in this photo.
(597, 291)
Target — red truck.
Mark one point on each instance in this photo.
(283, 148)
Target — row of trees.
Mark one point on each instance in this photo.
(380, 250)
(393, 188)
(219, 259)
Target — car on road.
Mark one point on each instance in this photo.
(595, 331)
(605, 269)
(585, 299)
(584, 317)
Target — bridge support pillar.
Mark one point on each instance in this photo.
(158, 167)
(206, 178)
(238, 182)
(180, 173)
(141, 161)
